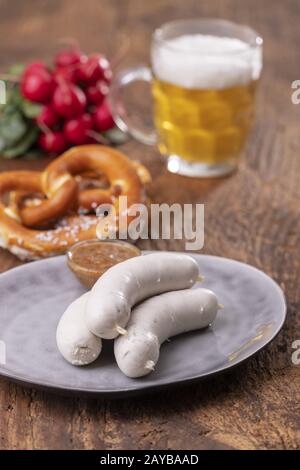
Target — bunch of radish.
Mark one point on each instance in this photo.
(67, 104)
(73, 97)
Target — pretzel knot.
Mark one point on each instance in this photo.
(55, 198)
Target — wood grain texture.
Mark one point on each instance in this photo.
(253, 216)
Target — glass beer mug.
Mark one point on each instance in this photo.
(204, 75)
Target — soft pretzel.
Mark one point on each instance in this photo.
(32, 244)
(60, 187)
(37, 200)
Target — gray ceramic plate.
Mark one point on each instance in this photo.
(34, 296)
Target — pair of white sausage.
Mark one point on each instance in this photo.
(104, 312)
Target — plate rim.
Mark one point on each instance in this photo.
(144, 388)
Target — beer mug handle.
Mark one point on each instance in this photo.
(126, 77)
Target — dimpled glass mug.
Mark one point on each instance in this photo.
(204, 76)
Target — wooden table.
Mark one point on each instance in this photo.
(253, 216)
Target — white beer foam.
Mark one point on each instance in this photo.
(206, 62)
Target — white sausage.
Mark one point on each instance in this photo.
(75, 342)
(157, 319)
(122, 286)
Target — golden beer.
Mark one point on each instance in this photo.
(204, 74)
(201, 125)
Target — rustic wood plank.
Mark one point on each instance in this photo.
(252, 216)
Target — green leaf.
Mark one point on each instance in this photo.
(30, 110)
(15, 96)
(16, 69)
(9, 109)
(23, 145)
(116, 136)
(2, 143)
(12, 127)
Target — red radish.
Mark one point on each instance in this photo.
(103, 119)
(66, 74)
(53, 142)
(34, 67)
(69, 100)
(47, 117)
(97, 92)
(37, 86)
(68, 57)
(76, 130)
(92, 69)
